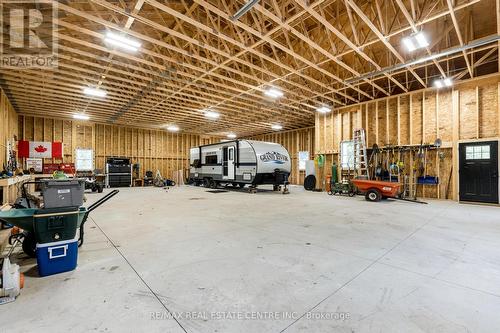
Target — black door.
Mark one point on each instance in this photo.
(479, 171)
(224, 161)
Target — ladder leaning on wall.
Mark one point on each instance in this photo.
(360, 156)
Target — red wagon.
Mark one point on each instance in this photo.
(375, 190)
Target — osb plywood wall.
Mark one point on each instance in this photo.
(294, 141)
(469, 111)
(8, 126)
(152, 149)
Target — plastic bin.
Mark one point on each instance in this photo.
(62, 193)
(57, 257)
(55, 224)
(428, 180)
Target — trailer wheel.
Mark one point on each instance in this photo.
(213, 184)
(206, 182)
(242, 185)
(29, 244)
(373, 195)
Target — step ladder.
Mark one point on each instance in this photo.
(360, 156)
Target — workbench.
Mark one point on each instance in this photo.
(11, 188)
(42, 176)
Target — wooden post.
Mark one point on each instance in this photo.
(387, 127)
(324, 134)
(340, 130)
(366, 125)
(316, 134)
(478, 120)
(424, 109)
(410, 114)
(455, 99)
(399, 120)
(332, 126)
(73, 139)
(359, 119)
(438, 160)
(498, 105)
(498, 31)
(350, 125)
(376, 124)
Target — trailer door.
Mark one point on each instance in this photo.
(230, 163)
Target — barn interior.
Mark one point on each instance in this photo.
(250, 166)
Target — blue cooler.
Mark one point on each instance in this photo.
(57, 257)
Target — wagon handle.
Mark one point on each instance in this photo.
(91, 208)
(102, 200)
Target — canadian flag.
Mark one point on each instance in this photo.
(39, 149)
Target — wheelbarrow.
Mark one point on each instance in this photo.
(375, 190)
(28, 218)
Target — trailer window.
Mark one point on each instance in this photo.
(211, 159)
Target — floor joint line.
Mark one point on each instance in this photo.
(139, 276)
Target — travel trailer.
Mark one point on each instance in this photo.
(240, 162)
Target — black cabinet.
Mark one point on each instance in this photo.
(118, 172)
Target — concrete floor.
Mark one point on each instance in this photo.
(266, 262)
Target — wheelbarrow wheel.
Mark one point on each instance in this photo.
(29, 244)
(373, 195)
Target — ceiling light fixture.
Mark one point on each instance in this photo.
(94, 92)
(415, 41)
(277, 127)
(212, 114)
(122, 41)
(81, 116)
(173, 128)
(242, 11)
(231, 136)
(323, 109)
(273, 92)
(421, 39)
(445, 82)
(408, 42)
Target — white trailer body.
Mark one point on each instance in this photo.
(240, 162)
